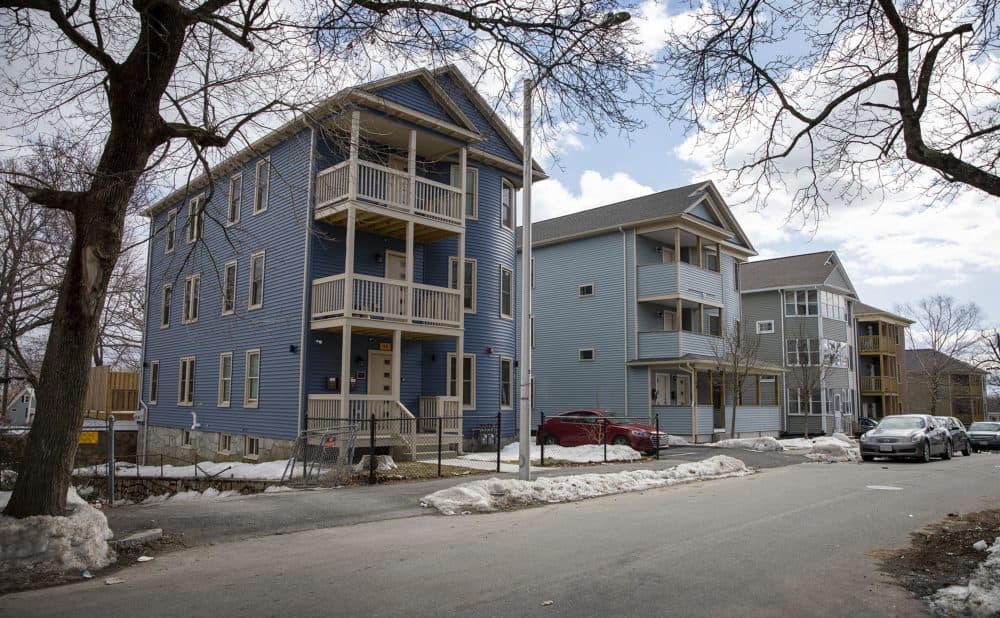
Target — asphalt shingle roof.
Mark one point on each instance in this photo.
(917, 359)
(793, 270)
(861, 308)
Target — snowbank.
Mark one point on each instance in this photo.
(750, 444)
(586, 453)
(503, 494)
(677, 441)
(55, 545)
(268, 470)
(980, 597)
(835, 448)
(187, 496)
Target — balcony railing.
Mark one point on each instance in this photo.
(385, 299)
(876, 344)
(879, 384)
(389, 188)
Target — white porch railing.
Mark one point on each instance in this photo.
(389, 188)
(445, 408)
(386, 299)
(392, 419)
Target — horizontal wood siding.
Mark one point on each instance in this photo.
(706, 419)
(657, 280)
(658, 344)
(705, 345)
(835, 330)
(760, 306)
(414, 95)
(700, 283)
(674, 419)
(494, 144)
(754, 418)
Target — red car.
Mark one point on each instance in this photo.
(578, 427)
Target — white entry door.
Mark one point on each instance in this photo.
(395, 265)
(379, 372)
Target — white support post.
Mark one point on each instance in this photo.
(345, 371)
(352, 169)
(524, 410)
(411, 169)
(463, 164)
(411, 292)
(397, 353)
(352, 214)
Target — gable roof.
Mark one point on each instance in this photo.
(919, 358)
(861, 309)
(822, 268)
(691, 199)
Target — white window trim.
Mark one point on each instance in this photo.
(253, 256)
(225, 403)
(761, 330)
(195, 218)
(225, 280)
(591, 285)
(452, 267)
(784, 303)
(234, 180)
(507, 316)
(264, 164)
(246, 447)
(799, 397)
(165, 304)
(153, 394)
(187, 304)
(247, 402)
(458, 387)
(507, 188)
(509, 360)
(180, 377)
(170, 240)
(593, 355)
(474, 188)
(226, 437)
(187, 439)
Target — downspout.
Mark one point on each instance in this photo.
(142, 354)
(306, 287)
(783, 399)
(625, 311)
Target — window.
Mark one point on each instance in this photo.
(225, 379)
(800, 352)
(168, 295)
(710, 258)
(691, 319)
(256, 280)
(765, 327)
(253, 447)
(192, 291)
(800, 302)
(186, 437)
(225, 443)
(834, 353)
(506, 293)
(798, 402)
(196, 215)
(154, 381)
(251, 386)
(260, 188)
(229, 288)
(235, 199)
(185, 386)
(506, 382)
(587, 289)
(713, 321)
(469, 289)
(508, 199)
(471, 189)
(468, 379)
(586, 354)
(171, 231)
(833, 306)
(531, 320)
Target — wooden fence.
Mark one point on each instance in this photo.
(111, 391)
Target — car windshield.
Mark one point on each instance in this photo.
(984, 427)
(901, 422)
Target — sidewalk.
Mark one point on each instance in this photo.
(245, 517)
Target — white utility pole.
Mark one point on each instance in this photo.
(524, 416)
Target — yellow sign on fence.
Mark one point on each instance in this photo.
(88, 437)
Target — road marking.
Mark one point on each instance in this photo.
(884, 487)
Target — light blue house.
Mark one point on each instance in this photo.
(21, 407)
(357, 261)
(630, 304)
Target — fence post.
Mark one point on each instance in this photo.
(604, 438)
(111, 459)
(439, 445)
(372, 463)
(161, 465)
(541, 439)
(305, 455)
(658, 436)
(498, 442)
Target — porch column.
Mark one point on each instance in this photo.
(349, 261)
(345, 371)
(698, 247)
(352, 174)
(397, 353)
(694, 404)
(463, 156)
(410, 292)
(411, 169)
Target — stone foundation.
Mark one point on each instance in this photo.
(205, 446)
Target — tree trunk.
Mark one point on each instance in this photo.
(805, 417)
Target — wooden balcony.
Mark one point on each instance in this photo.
(386, 198)
(878, 385)
(379, 299)
(876, 344)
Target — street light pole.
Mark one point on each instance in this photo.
(524, 420)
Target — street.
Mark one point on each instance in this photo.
(788, 541)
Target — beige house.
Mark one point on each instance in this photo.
(963, 389)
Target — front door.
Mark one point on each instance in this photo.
(379, 372)
(395, 265)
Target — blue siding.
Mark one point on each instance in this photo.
(657, 280)
(638, 393)
(494, 143)
(706, 420)
(697, 281)
(674, 419)
(414, 95)
(660, 344)
(273, 328)
(754, 418)
(705, 345)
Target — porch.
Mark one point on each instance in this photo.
(382, 299)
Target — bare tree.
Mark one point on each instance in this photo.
(814, 358)
(949, 331)
(155, 84)
(879, 91)
(736, 359)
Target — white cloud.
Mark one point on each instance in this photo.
(552, 199)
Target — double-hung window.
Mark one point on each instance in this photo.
(170, 231)
(506, 382)
(471, 189)
(256, 299)
(506, 293)
(251, 385)
(801, 302)
(468, 287)
(154, 381)
(229, 288)
(235, 199)
(225, 379)
(261, 186)
(168, 296)
(508, 199)
(196, 218)
(802, 352)
(192, 292)
(185, 382)
(468, 379)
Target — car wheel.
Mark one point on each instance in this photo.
(967, 451)
(867, 458)
(551, 440)
(925, 457)
(946, 455)
(620, 441)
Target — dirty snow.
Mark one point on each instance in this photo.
(750, 444)
(980, 597)
(279, 489)
(586, 453)
(187, 496)
(383, 463)
(268, 470)
(835, 448)
(504, 494)
(55, 545)
(676, 441)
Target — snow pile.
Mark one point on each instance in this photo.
(383, 463)
(980, 597)
(187, 496)
(268, 470)
(503, 494)
(585, 453)
(676, 441)
(835, 448)
(279, 489)
(750, 444)
(55, 545)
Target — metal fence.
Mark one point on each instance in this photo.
(322, 457)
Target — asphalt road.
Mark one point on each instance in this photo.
(789, 541)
